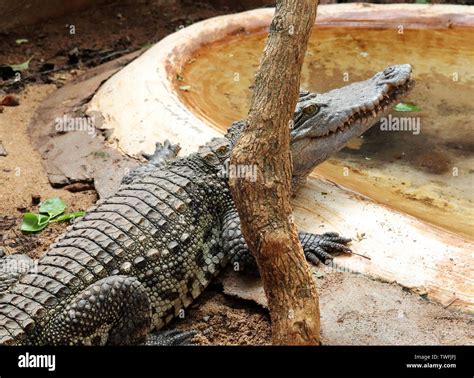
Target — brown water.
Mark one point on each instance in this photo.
(429, 174)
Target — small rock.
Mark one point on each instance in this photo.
(22, 209)
(107, 133)
(206, 318)
(3, 151)
(10, 100)
(35, 199)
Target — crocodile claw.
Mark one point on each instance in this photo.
(172, 337)
(163, 152)
(322, 247)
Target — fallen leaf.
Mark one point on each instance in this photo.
(401, 107)
(21, 67)
(34, 222)
(52, 206)
(68, 216)
(318, 274)
(147, 45)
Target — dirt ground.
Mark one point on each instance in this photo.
(114, 27)
(355, 309)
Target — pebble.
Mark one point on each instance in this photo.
(35, 199)
(3, 151)
(10, 100)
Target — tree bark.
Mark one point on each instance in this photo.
(264, 204)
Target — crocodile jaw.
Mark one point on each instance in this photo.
(345, 113)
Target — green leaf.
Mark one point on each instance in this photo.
(318, 274)
(68, 216)
(34, 222)
(185, 88)
(422, 1)
(147, 45)
(20, 67)
(20, 41)
(52, 206)
(401, 107)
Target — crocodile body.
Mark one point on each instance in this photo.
(138, 258)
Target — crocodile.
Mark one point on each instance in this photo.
(140, 257)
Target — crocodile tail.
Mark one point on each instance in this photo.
(16, 311)
(13, 325)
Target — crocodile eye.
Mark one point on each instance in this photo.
(311, 109)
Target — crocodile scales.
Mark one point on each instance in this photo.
(139, 257)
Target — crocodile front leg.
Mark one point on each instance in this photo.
(316, 247)
(115, 311)
(164, 153)
(321, 247)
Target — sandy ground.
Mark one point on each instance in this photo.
(355, 310)
(22, 177)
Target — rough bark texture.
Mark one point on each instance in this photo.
(263, 205)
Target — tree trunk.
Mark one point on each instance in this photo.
(263, 204)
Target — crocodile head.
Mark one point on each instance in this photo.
(324, 123)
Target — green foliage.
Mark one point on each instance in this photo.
(68, 216)
(52, 206)
(50, 211)
(20, 67)
(401, 107)
(34, 222)
(318, 274)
